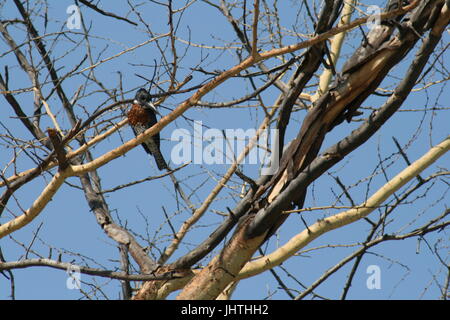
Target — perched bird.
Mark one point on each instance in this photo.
(142, 116)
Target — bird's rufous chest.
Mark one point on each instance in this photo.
(138, 115)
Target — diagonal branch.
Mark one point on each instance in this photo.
(222, 269)
(346, 217)
(105, 13)
(339, 102)
(85, 270)
(59, 178)
(255, 28)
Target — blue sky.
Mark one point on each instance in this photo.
(67, 225)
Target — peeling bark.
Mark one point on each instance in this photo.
(223, 268)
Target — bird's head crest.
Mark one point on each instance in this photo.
(142, 96)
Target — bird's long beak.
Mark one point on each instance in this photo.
(152, 106)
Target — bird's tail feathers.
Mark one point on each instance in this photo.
(160, 162)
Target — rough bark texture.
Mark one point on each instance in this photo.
(222, 270)
(361, 76)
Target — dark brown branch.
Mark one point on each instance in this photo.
(220, 233)
(85, 270)
(35, 131)
(313, 58)
(315, 165)
(125, 266)
(105, 13)
(56, 80)
(253, 94)
(56, 140)
(404, 156)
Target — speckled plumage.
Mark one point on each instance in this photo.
(141, 116)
